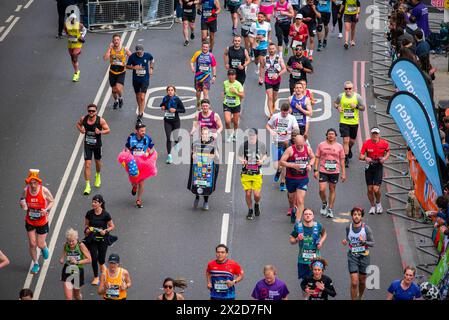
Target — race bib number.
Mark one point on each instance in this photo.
(117, 63)
(236, 63)
(73, 39)
(141, 72)
(204, 68)
(296, 43)
(338, 2)
(302, 165)
(169, 115)
(138, 152)
(91, 139)
(271, 75)
(281, 129)
(34, 214)
(330, 165)
(309, 254)
(230, 100)
(352, 8)
(252, 168)
(358, 249)
(296, 74)
(220, 286)
(348, 113)
(323, 2)
(299, 116)
(207, 14)
(188, 10)
(113, 292)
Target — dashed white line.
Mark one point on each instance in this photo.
(28, 4)
(9, 29)
(1, 29)
(229, 172)
(9, 19)
(19, 7)
(224, 228)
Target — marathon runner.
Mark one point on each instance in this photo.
(283, 12)
(115, 281)
(202, 64)
(296, 5)
(74, 256)
(260, 33)
(233, 94)
(207, 118)
(37, 201)
(169, 292)
(142, 64)
(359, 237)
(139, 144)
(233, 7)
(209, 11)
(324, 8)
(172, 106)
(349, 103)
(237, 58)
(405, 289)
(271, 287)
(252, 154)
(337, 17)
(280, 127)
(318, 286)
(93, 127)
(274, 69)
(248, 15)
(298, 160)
(374, 152)
(4, 261)
(351, 10)
(330, 162)
(76, 32)
(98, 225)
(116, 54)
(308, 93)
(298, 66)
(188, 19)
(299, 32)
(220, 275)
(310, 236)
(26, 294)
(301, 109)
(267, 8)
(310, 15)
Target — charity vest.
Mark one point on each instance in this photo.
(299, 157)
(278, 8)
(272, 68)
(351, 7)
(114, 292)
(348, 114)
(117, 60)
(300, 117)
(73, 33)
(355, 246)
(76, 253)
(309, 250)
(35, 205)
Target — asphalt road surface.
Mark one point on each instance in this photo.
(40, 106)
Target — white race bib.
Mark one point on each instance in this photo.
(34, 213)
(141, 72)
(348, 113)
(204, 68)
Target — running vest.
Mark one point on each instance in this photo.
(249, 14)
(351, 7)
(299, 157)
(35, 205)
(117, 60)
(236, 58)
(204, 63)
(300, 117)
(261, 30)
(252, 168)
(114, 292)
(208, 121)
(138, 147)
(174, 296)
(73, 33)
(349, 115)
(209, 11)
(355, 246)
(309, 250)
(234, 3)
(278, 8)
(90, 138)
(272, 69)
(76, 253)
(186, 8)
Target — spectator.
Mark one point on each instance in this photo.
(406, 53)
(409, 45)
(402, 35)
(422, 46)
(442, 219)
(422, 15)
(411, 26)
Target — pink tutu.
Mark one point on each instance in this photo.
(146, 166)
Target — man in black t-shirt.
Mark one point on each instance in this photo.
(310, 15)
(298, 66)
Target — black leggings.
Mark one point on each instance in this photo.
(61, 17)
(282, 31)
(169, 127)
(97, 251)
(206, 198)
(335, 10)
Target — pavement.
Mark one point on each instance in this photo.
(167, 237)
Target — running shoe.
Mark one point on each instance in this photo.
(234, 31)
(319, 46)
(250, 215)
(169, 159)
(282, 187)
(324, 43)
(139, 204)
(372, 210)
(256, 209)
(352, 43)
(195, 202)
(330, 212)
(293, 215)
(206, 206)
(115, 105)
(192, 36)
(95, 281)
(87, 189)
(276, 176)
(139, 117)
(76, 76)
(379, 208)
(134, 190)
(323, 209)
(286, 51)
(120, 102)
(186, 43)
(257, 70)
(340, 35)
(45, 253)
(346, 45)
(35, 269)
(97, 182)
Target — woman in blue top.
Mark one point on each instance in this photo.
(171, 105)
(405, 289)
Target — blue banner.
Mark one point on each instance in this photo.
(412, 119)
(408, 77)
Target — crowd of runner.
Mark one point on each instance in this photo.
(294, 159)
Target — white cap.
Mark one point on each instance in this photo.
(375, 130)
(299, 16)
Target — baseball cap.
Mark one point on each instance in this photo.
(375, 130)
(140, 124)
(231, 71)
(139, 47)
(299, 16)
(252, 131)
(114, 258)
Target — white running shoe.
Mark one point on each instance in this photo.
(257, 69)
(340, 35)
(330, 213)
(372, 210)
(379, 208)
(323, 209)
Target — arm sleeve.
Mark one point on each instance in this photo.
(369, 237)
(304, 284)
(308, 64)
(240, 153)
(392, 288)
(180, 108)
(255, 293)
(358, 3)
(130, 60)
(107, 217)
(329, 288)
(163, 102)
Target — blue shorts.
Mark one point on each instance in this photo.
(296, 184)
(277, 150)
(304, 271)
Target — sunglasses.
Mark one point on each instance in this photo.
(348, 88)
(91, 111)
(168, 287)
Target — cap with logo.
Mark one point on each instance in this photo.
(299, 16)
(375, 130)
(114, 258)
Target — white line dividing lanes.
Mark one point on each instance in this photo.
(224, 228)
(9, 29)
(9, 19)
(229, 172)
(19, 7)
(28, 4)
(57, 228)
(1, 29)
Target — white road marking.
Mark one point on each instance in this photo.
(18, 8)
(224, 229)
(9, 19)
(1, 29)
(9, 29)
(28, 4)
(229, 172)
